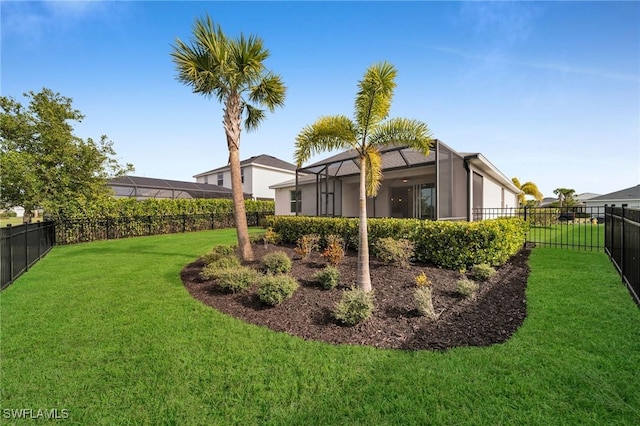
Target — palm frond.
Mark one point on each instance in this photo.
(531, 188)
(254, 117)
(403, 131)
(326, 134)
(374, 97)
(270, 92)
(373, 160)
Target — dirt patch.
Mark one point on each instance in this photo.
(492, 316)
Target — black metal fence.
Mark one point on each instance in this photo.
(83, 230)
(21, 246)
(622, 244)
(579, 227)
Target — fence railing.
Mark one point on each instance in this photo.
(21, 246)
(622, 244)
(581, 228)
(74, 231)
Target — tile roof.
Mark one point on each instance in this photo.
(632, 193)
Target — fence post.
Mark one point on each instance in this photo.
(622, 275)
(10, 231)
(525, 213)
(184, 223)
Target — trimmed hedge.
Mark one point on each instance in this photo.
(451, 245)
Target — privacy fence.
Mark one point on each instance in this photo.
(622, 244)
(22, 246)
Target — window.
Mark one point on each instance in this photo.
(206, 179)
(242, 175)
(220, 179)
(296, 201)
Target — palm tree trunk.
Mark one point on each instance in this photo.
(364, 277)
(232, 115)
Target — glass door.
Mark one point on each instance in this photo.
(425, 201)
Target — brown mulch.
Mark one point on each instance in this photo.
(492, 316)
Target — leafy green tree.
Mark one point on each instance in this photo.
(369, 131)
(527, 188)
(43, 165)
(233, 71)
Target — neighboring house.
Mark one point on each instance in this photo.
(142, 188)
(445, 185)
(258, 174)
(628, 196)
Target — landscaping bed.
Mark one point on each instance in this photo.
(490, 317)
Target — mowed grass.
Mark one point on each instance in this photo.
(107, 331)
(579, 235)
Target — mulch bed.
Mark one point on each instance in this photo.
(492, 316)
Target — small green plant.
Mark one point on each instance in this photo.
(467, 288)
(256, 238)
(219, 252)
(334, 251)
(354, 307)
(276, 262)
(306, 244)
(236, 279)
(482, 272)
(274, 289)
(424, 302)
(271, 237)
(392, 251)
(328, 277)
(422, 280)
(208, 272)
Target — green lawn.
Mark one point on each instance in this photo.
(583, 235)
(107, 331)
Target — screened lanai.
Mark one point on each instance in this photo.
(414, 185)
(143, 188)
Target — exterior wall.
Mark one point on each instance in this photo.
(256, 180)
(492, 194)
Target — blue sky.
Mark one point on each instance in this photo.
(547, 91)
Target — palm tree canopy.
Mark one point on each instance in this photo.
(527, 188)
(214, 65)
(369, 130)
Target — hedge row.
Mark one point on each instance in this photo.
(130, 207)
(452, 245)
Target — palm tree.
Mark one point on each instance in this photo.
(366, 134)
(565, 197)
(233, 71)
(527, 188)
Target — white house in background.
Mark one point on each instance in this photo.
(628, 196)
(444, 185)
(259, 173)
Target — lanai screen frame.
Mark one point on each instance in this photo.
(445, 159)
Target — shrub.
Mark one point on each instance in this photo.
(467, 288)
(334, 251)
(393, 251)
(328, 277)
(482, 272)
(276, 262)
(236, 279)
(354, 307)
(274, 289)
(271, 237)
(306, 244)
(424, 302)
(219, 252)
(422, 280)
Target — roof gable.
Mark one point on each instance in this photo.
(259, 160)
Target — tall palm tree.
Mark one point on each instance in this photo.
(366, 134)
(233, 71)
(527, 188)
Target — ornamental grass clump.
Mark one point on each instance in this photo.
(328, 277)
(467, 288)
(424, 302)
(271, 237)
(276, 262)
(482, 272)
(275, 289)
(354, 307)
(219, 252)
(394, 252)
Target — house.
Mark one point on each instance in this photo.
(143, 187)
(258, 174)
(629, 197)
(445, 185)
